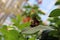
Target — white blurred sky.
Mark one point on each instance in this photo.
(47, 6)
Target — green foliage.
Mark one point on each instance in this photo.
(18, 23)
(13, 34)
(33, 38)
(55, 13)
(54, 19)
(36, 29)
(54, 33)
(21, 37)
(57, 3)
(24, 30)
(9, 34)
(31, 11)
(0, 37)
(4, 29)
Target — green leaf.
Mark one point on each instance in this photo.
(55, 13)
(24, 25)
(41, 12)
(21, 37)
(3, 30)
(28, 6)
(17, 20)
(58, 22)
(18, 17)
(53, 33)
(12, 35)
(9, 34)
(57, 3)
(0, 37)
(33, 38)
(33, 30)
(35, 7)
